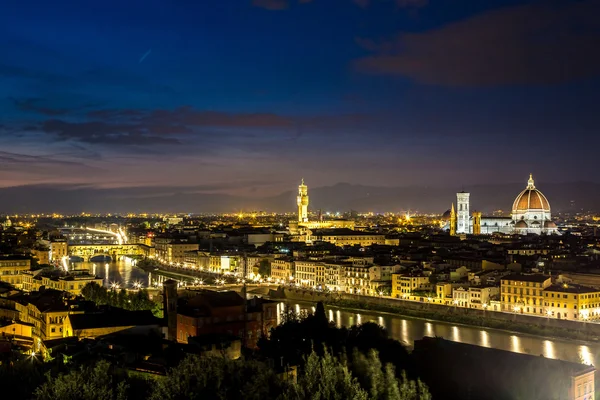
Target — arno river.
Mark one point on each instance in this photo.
(400, 328)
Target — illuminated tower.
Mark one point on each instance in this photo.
(302, 202)
(452, 221)
(476, 223)
(462, 213)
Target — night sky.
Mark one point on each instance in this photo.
(246, 97)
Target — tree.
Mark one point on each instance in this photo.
(219, 378)
(264, 268)
(327, 378)
(381, 381)
(97, 382)
(133, 301)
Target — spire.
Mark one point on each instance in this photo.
(452, 209)
(302, 184)
(530, 184)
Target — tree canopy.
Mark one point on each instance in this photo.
(133, 301)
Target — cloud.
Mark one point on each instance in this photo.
(103, 133)
(33, 105)
(187, 116)
(399, 3)
(271, 4)
(14, 165)
(528, 44)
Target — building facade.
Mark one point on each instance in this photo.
(573, 302)
(12, 269)
(403, 285)
(524, 294)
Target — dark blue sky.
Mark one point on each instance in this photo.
(248, 96)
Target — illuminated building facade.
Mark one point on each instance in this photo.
(282, 269)
(574, 302)
(404, 285)
(524, 294)
(346, 237)
(12, 270)
(58, 250)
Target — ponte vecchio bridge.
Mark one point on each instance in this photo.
(114, 251)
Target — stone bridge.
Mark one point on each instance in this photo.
(114, 251)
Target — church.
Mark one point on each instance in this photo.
(530, 214)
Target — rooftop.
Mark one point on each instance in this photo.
(539, 278)
(571, 288)
(343, 232)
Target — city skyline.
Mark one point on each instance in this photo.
(578, 197)
(241, 99)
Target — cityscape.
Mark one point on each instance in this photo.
(300, 199)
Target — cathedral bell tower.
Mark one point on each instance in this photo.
(462, 213)
(302, 202)
(452, 221)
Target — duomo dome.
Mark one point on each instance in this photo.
(530, 199)
(531, 211)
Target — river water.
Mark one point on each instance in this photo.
(122, 272)
(406, 330)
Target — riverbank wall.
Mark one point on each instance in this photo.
(491, 319)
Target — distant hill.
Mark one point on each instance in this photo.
(339, 197)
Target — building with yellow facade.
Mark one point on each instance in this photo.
(42, 255)
(282, 269)
(524, 294)
(403, 285)
(58, 249)
(71, 282)
(12, 269)
(173, 251)
(346, 237)
(571, 301)
(309, 273)
(356, 278)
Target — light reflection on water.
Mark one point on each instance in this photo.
(121, 271)
(407, 330)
